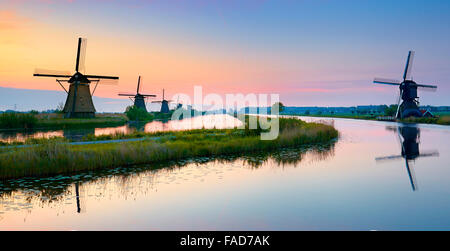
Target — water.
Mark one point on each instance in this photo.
(359, 183)
(217, 121)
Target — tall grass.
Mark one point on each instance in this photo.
(17, 120)
(441, 120)
(57, 157)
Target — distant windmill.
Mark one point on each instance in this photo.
(164, 104)
(409, 137)
(139, 99)
(408, 91)
(179, 105)
(79, 99)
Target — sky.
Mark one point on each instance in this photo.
(311, 53)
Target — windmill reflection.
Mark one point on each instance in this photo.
(409, 138)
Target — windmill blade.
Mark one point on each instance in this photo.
(108, 81)
(101, 77)
(126, 94)
(81, 55)
(388, 158)
(412, 177)
(427, 86)
(138, 85)
(384, 81)
(429, 154)
(157, 102)
(148, 95)
(409, 64)
(398, 103)
(51, 73)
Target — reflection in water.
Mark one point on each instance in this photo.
(219, 121)
(21, 136)
(78, 134)
(409, 138)
(29, 193)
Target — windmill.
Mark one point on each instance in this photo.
(79, 98)
(408, 104)
(409, 137)
(164, 104)
(139, 99)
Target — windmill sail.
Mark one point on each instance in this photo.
(385, 81)
(409, 64)
(81, 55)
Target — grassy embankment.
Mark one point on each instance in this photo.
(55, 157)
(440, 119)
(27, 121)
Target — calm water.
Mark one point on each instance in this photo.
(362, 182)
(208, 122)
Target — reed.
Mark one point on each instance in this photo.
(441, 120)
(17, 120)
(24, 121)
(57, 157)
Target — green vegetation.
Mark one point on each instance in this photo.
(390, 110)
(34, 120)
(441, 120)
(135, 113)
(343, 116)
(280, 106)
(57, 157)
(18, 120)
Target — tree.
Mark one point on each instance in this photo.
(59, 107)
(135, 113)
(391, 110)
(280, 105)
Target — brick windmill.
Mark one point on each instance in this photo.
(164, 104)
(79, 102)
(139, 99)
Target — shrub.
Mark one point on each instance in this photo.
(135, 113)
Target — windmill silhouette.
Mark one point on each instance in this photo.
(408, 104)
(164, 104)
(79, 102)
(139, 99)
(409, 138)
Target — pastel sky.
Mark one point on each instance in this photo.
(322, 52)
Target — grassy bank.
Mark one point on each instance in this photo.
(442, 120)
(25, 121)
(56, 157)
(438, 120)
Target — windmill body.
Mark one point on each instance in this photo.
(408, 104)
(164, 104)
(139, 99)
(79, 102)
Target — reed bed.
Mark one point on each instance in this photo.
(25, 121)
(57, 157)
(441, 120)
